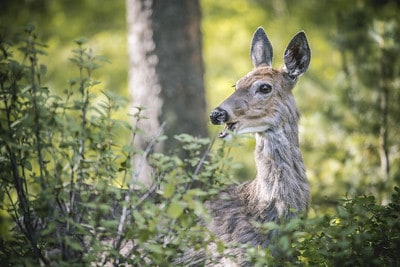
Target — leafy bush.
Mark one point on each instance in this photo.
(70, 196)
(359, 233)
(67, 181)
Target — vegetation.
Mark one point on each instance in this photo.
(68, 192)
(68, 186)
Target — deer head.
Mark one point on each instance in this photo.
(263, 98)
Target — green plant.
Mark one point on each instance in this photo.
(68, 188)
(359, 233)
(70, 197)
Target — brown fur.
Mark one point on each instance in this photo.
(280, 190)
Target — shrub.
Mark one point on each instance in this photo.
(359, 233)
(67, 181)
(70, 196)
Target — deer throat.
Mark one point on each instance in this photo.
(281, 177)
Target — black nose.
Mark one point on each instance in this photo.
(218, 116)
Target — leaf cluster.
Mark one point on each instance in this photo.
(359, 232)
(70, 195)
(69, 189)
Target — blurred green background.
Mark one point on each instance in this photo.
(349, 98)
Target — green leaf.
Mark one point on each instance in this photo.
(72, 243)
(175, 209)
(27, 165)
(169, 190)
(81, 41)
(42, 69)
(284, 242)
(220, 247)
(155, 248)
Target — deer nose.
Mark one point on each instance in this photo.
(218, 116)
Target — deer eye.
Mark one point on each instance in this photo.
(264, 88)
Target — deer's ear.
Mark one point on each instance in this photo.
(261, 49)
(297, 55)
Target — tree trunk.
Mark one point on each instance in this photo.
(166, 70)
(384, 114)
(180, 70)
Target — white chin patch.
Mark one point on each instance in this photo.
(253, 129)
(232, 128)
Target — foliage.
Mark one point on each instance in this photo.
(371, 67)
(359, 233)
(62, 21)
(338, 96)
(70, 197)
(68, 188)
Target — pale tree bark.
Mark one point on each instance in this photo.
(166, 70)
(143, 84)
(385, 81)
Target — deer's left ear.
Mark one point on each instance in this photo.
(261, 49)
(297, 55)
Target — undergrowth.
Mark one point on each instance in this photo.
(70, 195)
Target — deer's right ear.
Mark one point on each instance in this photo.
(261, 49)
(297, 55)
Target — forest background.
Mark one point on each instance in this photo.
(349, 98)
(339, 98)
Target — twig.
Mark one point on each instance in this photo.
(203, 158)
(146, 195)
(124, 215)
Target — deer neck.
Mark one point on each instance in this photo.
(281, 180)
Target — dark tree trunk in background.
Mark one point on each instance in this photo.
(166, 68)
(177, 36)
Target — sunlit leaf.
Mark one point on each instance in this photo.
(175, 209)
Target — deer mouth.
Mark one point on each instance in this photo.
(229, 127)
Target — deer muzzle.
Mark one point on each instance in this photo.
(219, 116)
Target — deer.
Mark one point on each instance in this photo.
(263, 104)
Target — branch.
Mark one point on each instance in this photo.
(203, 158)
(124, 215)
